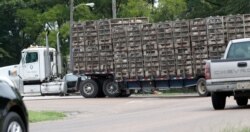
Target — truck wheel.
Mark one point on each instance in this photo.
(89, 89)
(218, 101)
(241, 101)
(111, 88)
(201, 87)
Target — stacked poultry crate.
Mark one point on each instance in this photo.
(247, 25)
(135, 56)
(216, 38)
(150, 51)
(198, 33)
(128, 21)
(119, 40)
(182, 49)
(78, 47)
(105, 46)
(91, 47)
(234, 27)
(166, 49)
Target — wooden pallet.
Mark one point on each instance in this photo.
(168, 71)
(247, 25)
(184, 70)
(234, 26)
(150, 53)
(152, 73)
(121, 65)
(167, 63)
(136, 73)
(215, 48)
(215, 30)
(183, 51)
(120, 75)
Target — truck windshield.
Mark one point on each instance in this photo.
(239, 50)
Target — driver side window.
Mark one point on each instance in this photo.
(31, 57)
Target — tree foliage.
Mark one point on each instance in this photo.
(135, 8)
(23, 22)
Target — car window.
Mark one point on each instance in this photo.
(6, 91)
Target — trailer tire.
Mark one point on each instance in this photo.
(218, 100)
(111, 88)
(89, 88)
(201, 88)
(241, 101)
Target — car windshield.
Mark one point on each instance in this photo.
(239, 50)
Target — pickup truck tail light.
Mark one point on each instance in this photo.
(207, 71)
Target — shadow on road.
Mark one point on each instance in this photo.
(166, 97)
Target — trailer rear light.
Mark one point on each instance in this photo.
(207, 71)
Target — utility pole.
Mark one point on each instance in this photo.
(70, 32)
(114, 8)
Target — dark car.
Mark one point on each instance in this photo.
(13, 113)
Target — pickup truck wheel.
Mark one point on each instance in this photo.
(241, 101)
(89, 89)
(201, 87)
(218, 101)
(111, 88)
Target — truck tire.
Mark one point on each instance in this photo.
(241, 101)
(201, 88)
(89, 88)
(111, 88)
(218, 101)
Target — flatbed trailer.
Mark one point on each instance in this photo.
(122, 55)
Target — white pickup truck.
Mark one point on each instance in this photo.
(230, 76)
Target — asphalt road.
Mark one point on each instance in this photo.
(139, 114)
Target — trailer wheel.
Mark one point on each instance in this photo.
(201, 87)
(241, 101)
(89, 89)
(218, 101)
(111, 88)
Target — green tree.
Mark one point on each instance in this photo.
(170, 10)
(206, 8)
(135, 8)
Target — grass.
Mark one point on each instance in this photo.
(38, 116)
(239, 129)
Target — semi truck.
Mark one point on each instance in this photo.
(117, 57)
(40, 72)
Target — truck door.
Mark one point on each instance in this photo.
(30, 67)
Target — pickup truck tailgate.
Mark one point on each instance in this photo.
(226, 69)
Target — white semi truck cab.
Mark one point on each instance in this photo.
(34, 66)
(37, 72)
